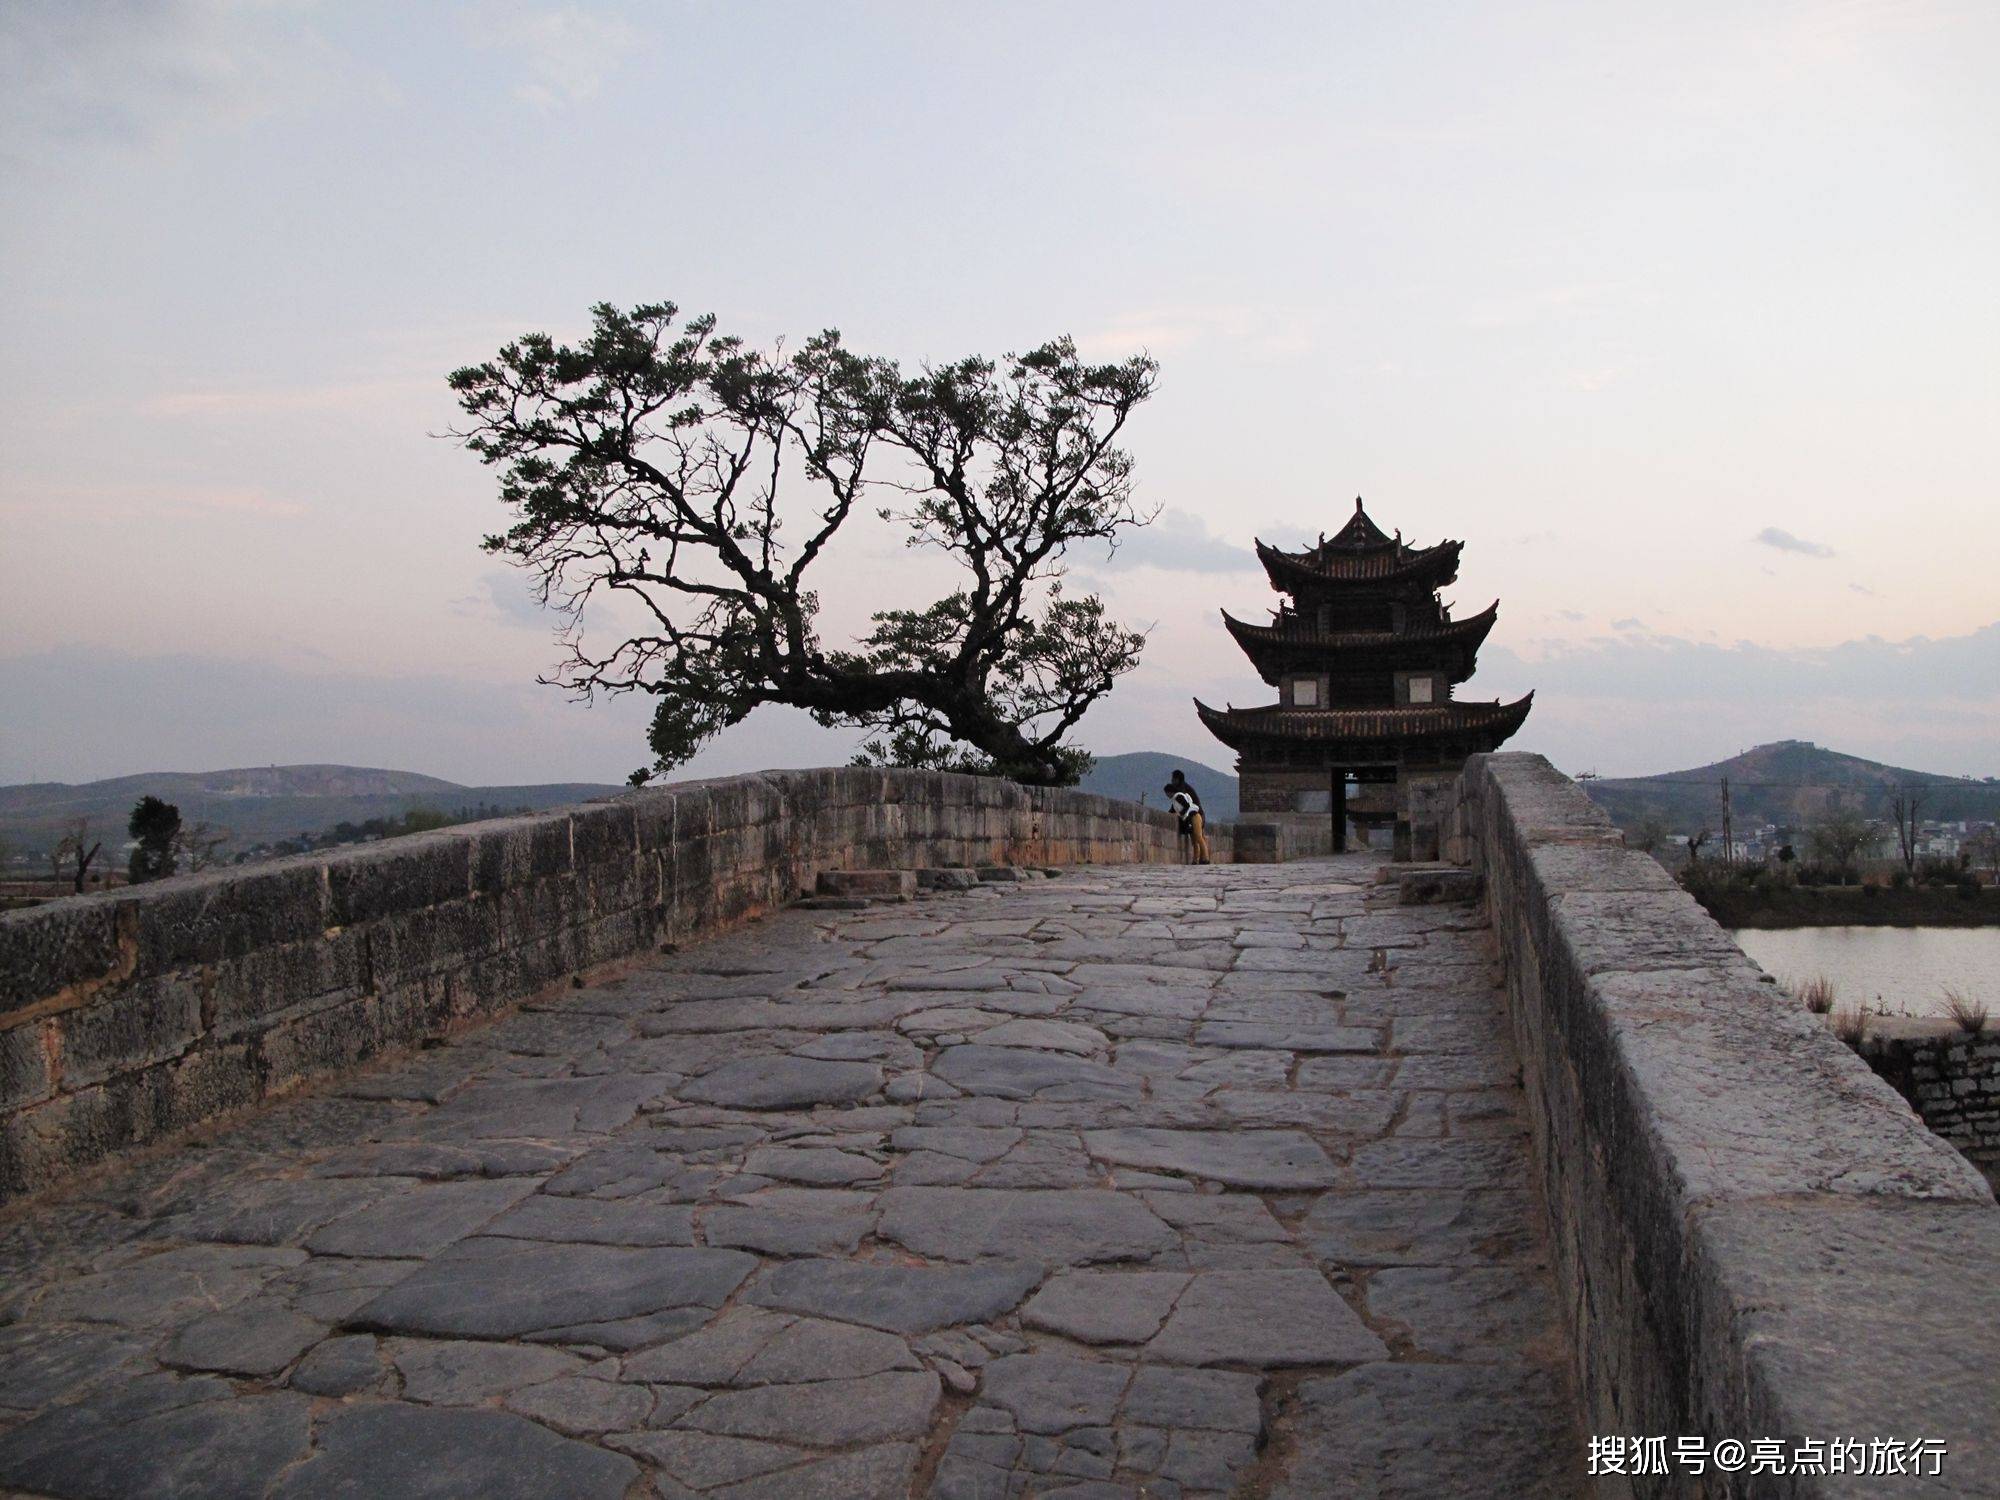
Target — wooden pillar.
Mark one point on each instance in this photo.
(1339, 810)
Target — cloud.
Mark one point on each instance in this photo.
(130, 74)
(255, 401)
(1636, 703)
(1259, 331)
(1628, 623)
(1672, 667)
(1598, 378)
(1566, 302)
(1571, 614)
(506, 595)
(186, 502)
(76, 714)
(1862, 588)
(568, 52)
(1179, 541)
(1784, 541)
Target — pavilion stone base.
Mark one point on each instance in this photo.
(1265, 793)
(1273, 838)
(1423, 800)
(1288, 814)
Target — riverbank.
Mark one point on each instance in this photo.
(1898, 971)
(1850, 906)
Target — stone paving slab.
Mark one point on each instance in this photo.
(1174, 1182)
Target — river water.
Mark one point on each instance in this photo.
(1907, 968)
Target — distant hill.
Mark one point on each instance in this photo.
(260, 804)
(1140, 775)
(1791, 782)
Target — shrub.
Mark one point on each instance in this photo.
(1816, 994)
(1900, 879)
(1970, 1014)
(1850, 1024)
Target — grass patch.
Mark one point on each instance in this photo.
(1970, 1014)
(1816, 994)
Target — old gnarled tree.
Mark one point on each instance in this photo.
(666, 463)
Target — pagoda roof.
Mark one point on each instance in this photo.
(1360, 534)
(1492, 722)
(1470, 632)
(1312, 570)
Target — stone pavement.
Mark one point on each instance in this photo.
(1137, 1181)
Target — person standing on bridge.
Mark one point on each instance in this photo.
(1186, 804)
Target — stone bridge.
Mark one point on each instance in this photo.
(565, 1157)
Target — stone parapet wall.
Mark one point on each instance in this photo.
(1950, 1076)
(128, 1016)
(1755, 1236)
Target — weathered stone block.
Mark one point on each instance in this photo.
(1257, 843)
(603, 834)
(319, 1041)
(277, 979)
(487, 984)
(25, 1076)
(210, 1081)
(218, 916)
(884, 885)
(130, 1027)
(415, 873)
(512, 852)
(947, 879)
(47, 949)
(1427, 887)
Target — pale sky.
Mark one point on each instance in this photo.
(1684, 318)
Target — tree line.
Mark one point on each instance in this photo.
(164, 844)
(1832, 848)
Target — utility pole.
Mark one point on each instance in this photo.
(1728, 830)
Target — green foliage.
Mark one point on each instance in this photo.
(1840, 838)
(416, 820)
(669, 465)
(1713, 878)
(1649, 834)
(916, 748)
(157, 827)
(202, 845)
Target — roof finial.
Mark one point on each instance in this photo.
(1357, 505)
